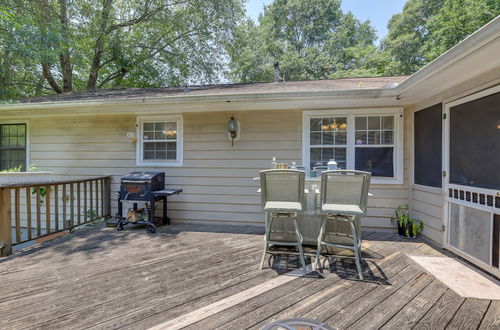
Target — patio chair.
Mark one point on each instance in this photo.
(344, 198)
(282, 196)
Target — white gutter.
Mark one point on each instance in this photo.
(274, 96)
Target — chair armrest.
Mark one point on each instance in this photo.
(370, 194)
(259, 190)
(306, 191)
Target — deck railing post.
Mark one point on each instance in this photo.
(5, 223)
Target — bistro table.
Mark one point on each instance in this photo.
(309, 220)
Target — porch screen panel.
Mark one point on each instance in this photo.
(475, 143)
(428, 146)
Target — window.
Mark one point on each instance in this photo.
(13, 146)
(160, 141)
(366, 140)
(428, 146)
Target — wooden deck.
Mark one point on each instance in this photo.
(207, 277)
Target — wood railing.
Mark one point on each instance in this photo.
(34, 210)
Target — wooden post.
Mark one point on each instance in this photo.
(5, 223)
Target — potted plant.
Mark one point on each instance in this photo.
(406, 226)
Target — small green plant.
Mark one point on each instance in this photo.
(31, 168)
(13, 169)
(405, 224)
(91, 214)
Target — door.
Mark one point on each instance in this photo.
(472, 180)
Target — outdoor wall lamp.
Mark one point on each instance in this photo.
(233, 129)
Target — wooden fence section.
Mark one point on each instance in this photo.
(30, 211)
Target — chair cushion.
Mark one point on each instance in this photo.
(348, 209)
(283, 206)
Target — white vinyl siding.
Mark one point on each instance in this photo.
(216, 177)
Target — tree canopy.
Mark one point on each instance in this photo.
(69, 45)
(57, 46)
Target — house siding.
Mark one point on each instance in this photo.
(216, 177)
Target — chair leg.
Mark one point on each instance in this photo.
(299, 245)
(320, 244)
(357, 252)
(266, 239)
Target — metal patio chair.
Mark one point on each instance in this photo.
(282, 197)
(344, 198)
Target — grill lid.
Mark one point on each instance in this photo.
(141, 175)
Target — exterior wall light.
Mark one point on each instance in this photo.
(233, 129)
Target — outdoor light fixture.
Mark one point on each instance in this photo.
(233, 128)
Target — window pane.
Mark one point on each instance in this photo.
(374, 122)
(321, 157)
(171, 131)
(361, 137)
(159, 135)
(171, 155)
(388, 122)
(149, 126)
(387, 137)
(340, 138)
(159, 127)
(328, 138)
(378, 161)
(326, 155)
(161, 155)
(341, 123)
(315, 138)
(373, 137)
(149, 155)
(315, 124)
(361, 123)
(171, 146)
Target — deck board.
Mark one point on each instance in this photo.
(100, 278)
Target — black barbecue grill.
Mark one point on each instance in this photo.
(143, 187)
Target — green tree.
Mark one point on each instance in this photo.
(427, 28)
(311, 39)
(69, 45)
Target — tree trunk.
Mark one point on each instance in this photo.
(64, 57)
(99, 45)
(50, 78)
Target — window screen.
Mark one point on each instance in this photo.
(475, 143)
(160, 140)
(12, 146)
(428, 146)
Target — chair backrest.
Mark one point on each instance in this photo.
(345, 187)
(282, 186)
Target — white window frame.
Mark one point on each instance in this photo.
(27, 123)
(351, 114)
(140, 142)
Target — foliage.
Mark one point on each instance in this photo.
(311, 39)
(403, 219)
(57, 46)
(31, 168)
(427, 28)
(66, 45)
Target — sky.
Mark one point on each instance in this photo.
(377, 11)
